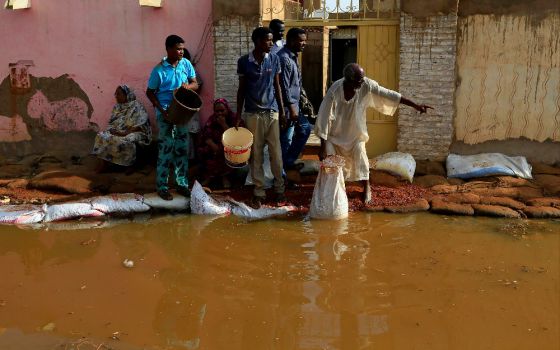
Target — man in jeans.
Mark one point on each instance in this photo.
(259, 92)
(295, 135)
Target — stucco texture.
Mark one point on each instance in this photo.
(95, 45)
(509, 78)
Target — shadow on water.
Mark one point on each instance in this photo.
(200, 282)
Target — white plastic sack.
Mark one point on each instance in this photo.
(178, 202)
(399, 164)
(268, 176)
(487, 164)
(22, 214)
(119, 203)
(243, 210)
(66, 211)
(329, 199)
(203, 204)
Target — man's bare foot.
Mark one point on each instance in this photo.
(366, 196)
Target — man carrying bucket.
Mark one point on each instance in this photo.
(259, 92)
(171, 73)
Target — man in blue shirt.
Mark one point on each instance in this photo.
(259, 92)
(277, 27)
(171, 73)
(295, 135)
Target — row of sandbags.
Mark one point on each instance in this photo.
(458, 166)
(127, 203)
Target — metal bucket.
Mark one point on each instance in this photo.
(185, 104)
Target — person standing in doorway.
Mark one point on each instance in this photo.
(277, 27)
(171, 73)
(259, 93)
(341, 121)
(295, 135)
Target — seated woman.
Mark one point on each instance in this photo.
(210, 149)
(129, 125)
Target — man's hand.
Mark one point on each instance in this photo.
(293, 113)
(322, 151)
(283, 121)
(422, 108)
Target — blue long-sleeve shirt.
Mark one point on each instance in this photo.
(290, 78)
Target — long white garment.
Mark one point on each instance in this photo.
(342, 124)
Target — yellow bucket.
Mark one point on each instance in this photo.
(237, 146)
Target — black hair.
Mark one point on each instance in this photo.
(293, 33)
(260, 33)
(187, 54)
(275, 24)
(173, 40)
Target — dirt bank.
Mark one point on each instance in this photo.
(47, 179)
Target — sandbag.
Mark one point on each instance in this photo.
(203, 204)
(178, 202)
(71, 210)
(22, 214)
(243, 210)
(399, 164)
(487, 164)
(119, 203)
(329, 199)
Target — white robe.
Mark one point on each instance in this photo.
(342, 124)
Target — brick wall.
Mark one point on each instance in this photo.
(232, 39)
(427, 75)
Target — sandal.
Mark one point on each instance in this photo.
(165, 195)
(281, 198)
(256, 202)
(184, 191)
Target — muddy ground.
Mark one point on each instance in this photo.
(48, 178)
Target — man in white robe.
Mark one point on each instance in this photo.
(341, 121)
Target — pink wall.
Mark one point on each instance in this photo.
(101, 44)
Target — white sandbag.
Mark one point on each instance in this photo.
(487, 164)
(243, 210)
(329, 199)
(22, 214)
(310, 167)
(203, 204)
(178, 202)
(119, 203)
(72, 210)
(399, 164)
(268, 176)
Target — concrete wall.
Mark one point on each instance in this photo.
(491, 70)
(61, 61)
(427, 75)
(508, 64)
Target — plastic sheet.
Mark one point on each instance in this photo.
(487, 164)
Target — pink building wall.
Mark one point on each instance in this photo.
(99, 45)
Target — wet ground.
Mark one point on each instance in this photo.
(373, 281)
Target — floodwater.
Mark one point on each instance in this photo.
(373, 281)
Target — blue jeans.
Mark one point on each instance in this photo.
(293, 140)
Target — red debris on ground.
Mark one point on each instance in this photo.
(402, 195)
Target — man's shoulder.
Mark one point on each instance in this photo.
(244, 58)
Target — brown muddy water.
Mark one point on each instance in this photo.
(373, 281)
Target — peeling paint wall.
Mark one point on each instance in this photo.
(61, 61)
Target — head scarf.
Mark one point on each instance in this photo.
(230, 117)
(130, 96)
